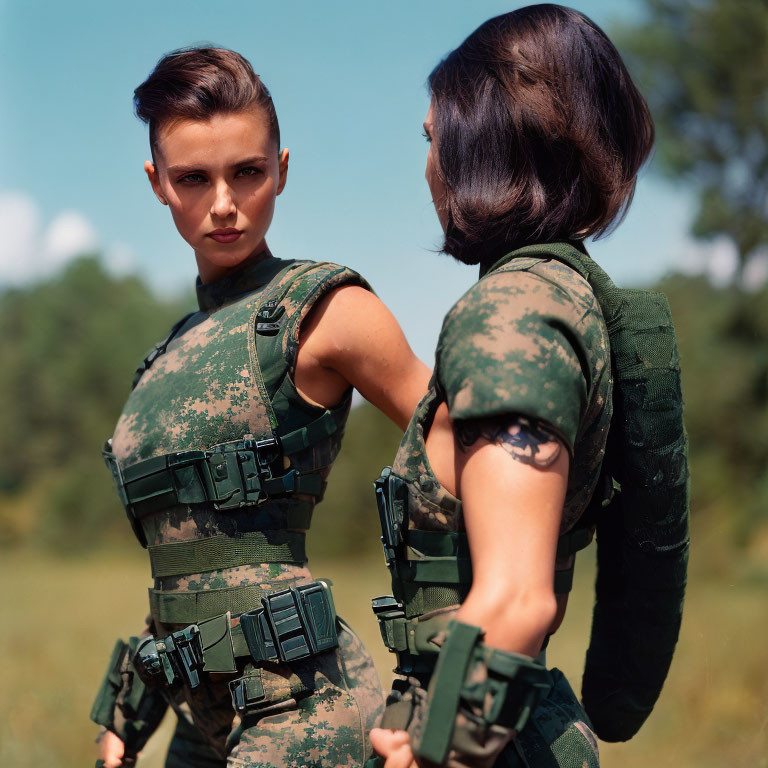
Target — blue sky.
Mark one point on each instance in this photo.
(348, 80)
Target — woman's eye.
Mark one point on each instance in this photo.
(192, 178)
(426, 136)
(249, 171)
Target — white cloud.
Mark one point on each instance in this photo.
(69, 234)
(30, 250)
(717, 259)
(20, 225)
(119, 260)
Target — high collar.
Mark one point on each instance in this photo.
(527, 250)
(251, 276)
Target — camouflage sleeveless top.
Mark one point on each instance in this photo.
(528, 338)
(208, 387)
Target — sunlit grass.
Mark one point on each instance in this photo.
(59, 618)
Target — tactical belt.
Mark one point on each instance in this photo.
(194, 606)
(433, 569)
(290, 625)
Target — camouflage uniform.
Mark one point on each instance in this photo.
(205, 389)
(528, 339)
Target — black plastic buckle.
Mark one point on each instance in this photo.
(261, 461)
(267, 317)
(184, 651)
(148, 660)
(386, 604)
(184, 459)
(387, 609)
(239, 473)
(268, 453)
(247, 693)
(391, 527)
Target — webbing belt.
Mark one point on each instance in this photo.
(291, 624)
(197, 605)
(217, 552)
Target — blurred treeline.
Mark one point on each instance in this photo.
(69, 347)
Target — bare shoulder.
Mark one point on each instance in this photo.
(347, 299)
(348, 310)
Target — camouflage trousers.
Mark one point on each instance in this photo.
(317, 714)
(558, 735)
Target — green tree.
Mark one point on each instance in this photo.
(69, 346)
(703, 66)
(723, 338)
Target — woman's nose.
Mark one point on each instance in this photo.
(223, 202)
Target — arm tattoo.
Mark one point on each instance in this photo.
(525, 440)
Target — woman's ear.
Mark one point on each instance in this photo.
(154, 180)
(283, 165)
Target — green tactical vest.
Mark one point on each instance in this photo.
(218, 459)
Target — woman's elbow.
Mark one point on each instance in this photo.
(516, 621)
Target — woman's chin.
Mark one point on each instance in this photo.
(224, 260)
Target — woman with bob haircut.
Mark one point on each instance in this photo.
(224, 447)
(536, 135)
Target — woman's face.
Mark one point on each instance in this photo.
(432, 172)
(220, 178)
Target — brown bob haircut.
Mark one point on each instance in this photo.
(540, 133)
(197, 82)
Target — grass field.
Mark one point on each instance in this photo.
(59, 618)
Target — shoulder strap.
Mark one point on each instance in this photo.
(608, 295)
(159, 349)
(273, 336)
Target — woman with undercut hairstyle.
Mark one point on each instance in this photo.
(224, 447)
(536, 135)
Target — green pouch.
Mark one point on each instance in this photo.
(103, 709)
(216, 637)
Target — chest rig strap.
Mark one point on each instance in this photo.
(229, 476)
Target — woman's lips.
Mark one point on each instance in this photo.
(228, 235)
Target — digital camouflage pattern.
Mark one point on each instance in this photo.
(527, 339)
(207, 388)
(325, 724)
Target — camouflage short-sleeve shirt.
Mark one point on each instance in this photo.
(529, 339)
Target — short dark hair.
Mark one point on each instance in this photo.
(540, 133)
(198, 82)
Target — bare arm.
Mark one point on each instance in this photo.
(512, 479)
(351, 338)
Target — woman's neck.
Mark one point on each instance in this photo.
(209, 272)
